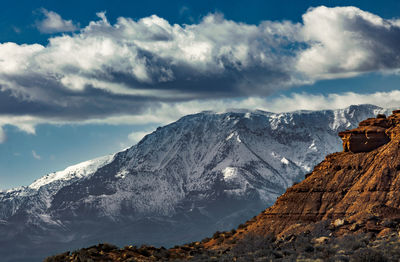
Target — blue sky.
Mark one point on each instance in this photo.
(81, 79)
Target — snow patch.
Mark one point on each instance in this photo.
(122, 174)
(285, 161)
(229, 173)
(339, 118)
(230, 136)
(77, 171)
(313, 147)
(47, 219)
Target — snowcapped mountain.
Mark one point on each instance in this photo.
(205, 172)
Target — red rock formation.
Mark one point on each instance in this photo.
(345, 193)
(369, 135)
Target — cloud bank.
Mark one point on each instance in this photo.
(149, 70)
(346, 41)
(166, 113)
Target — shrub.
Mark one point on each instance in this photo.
(253, 243)
(368, 255)
(241, 226)
(352, 242)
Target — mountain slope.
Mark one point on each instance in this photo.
(203, 173)
(347, 209)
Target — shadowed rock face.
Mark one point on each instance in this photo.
(364, 139)
(369, 135)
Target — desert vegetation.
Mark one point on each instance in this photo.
(304, 247)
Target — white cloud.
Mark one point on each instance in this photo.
(136, 136)
(152, 71)
(169, 112)
(16, 29)
(24, 123)
(35, 155)
(346, 41)
(153, 58)
(166, 113)
(53, 23)
(304, 101)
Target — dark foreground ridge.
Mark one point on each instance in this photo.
(347, 209)
(304, 247)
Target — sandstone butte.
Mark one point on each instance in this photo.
(350, 192)
(354, 191)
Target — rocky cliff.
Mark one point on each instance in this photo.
(369, 135)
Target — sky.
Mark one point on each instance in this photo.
(83, 79)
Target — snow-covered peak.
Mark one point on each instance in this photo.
(14, 189)
(73, 172)
(224, 123)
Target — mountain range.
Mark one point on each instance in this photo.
(206, 172)
(346, 209)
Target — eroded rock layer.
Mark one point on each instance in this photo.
(369, 135)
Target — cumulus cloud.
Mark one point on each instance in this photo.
(127, 67)
(346, 41)
(54, 23)
(136, 136)
(152, 58)
(36, 155)
(150, 70)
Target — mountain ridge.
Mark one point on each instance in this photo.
(350, 192)
(203, 173)
(346, 209)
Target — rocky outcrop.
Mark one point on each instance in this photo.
(369, 135)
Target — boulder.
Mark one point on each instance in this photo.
(364, 139)
(369, 135)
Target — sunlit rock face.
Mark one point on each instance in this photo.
(369, 135)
